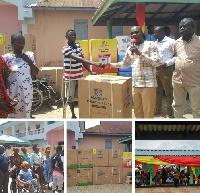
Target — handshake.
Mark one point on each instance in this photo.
(102, 65)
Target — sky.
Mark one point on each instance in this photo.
(168, 144)
(91, 123)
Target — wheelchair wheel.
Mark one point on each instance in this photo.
(37, 99)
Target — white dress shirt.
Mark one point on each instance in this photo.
(166, 51)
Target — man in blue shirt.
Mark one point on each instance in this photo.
(150, 35)
(4, 174)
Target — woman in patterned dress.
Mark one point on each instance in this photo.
(6, 103)
(47, 167)
(23, 66)
(36, 160)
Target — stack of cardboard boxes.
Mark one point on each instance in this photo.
(97, 166)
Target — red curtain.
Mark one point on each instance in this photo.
(138, 163)
(181, 160)
(140, 15)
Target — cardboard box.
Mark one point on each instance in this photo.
(53, 75)
(85, 158)
(72, 155)
(123, 42)
(115, 157)
(100, 175)
(127, 159)
(115, 175)
(126, 173)
(83, 176)
(102, 96)
(103, 46)
(71, 176)
(100, 157)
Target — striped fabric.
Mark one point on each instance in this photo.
(73, 72)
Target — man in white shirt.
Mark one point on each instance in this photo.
(165, 70)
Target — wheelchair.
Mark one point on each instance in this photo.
(43, 93)
(33, 187)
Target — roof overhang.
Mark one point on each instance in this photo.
(159, 12)
(125, 140)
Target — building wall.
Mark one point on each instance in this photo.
(98, 142)
(9, 19)
(50, 28)
(54, 136)
(70, 139)
(7, 131)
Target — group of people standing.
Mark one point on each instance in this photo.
(48, 169)
(152, 70)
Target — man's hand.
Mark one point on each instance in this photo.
(26, 58)
(134, 49)
(99, 64)
(4, 106)
(162, 66)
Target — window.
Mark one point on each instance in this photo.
(81, 29)
(17, 131)
(51, 122)
(29, 128)
(1, 132)
(117, 31)
(37, 126)
(108, 143)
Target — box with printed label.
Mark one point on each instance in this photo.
(105, 96)
(100, 175)
(83, 176)
(123, 42)
(72, 155)
(71, 176)
(105, 51)
(100, 157)
(115, 175)
(115, 157)
(85, 158)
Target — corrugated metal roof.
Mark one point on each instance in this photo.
(156, 12)
(152, 152)
(69, 3)
(125, 139)
(167, 126)
(122, 127)
(10, 139)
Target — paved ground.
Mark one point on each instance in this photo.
(57, 111)
(106, 188)
(193, 189)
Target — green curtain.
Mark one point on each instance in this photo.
(150, 168)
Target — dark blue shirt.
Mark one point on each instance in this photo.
(4, 162)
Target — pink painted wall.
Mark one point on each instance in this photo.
(56, 135)
(50, 28)
(9, 19)
(98, 142)
(70, 139)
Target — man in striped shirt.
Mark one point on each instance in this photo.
(73, 61)
(144, 59)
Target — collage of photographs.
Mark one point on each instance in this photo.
(89, 87)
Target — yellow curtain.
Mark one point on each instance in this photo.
(150, 160)
(193, 170)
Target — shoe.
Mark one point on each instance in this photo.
(157, 112)
(168, 117)
(74, 117)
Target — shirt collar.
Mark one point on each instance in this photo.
(192, 37)
(163, 40)
(74, 46)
